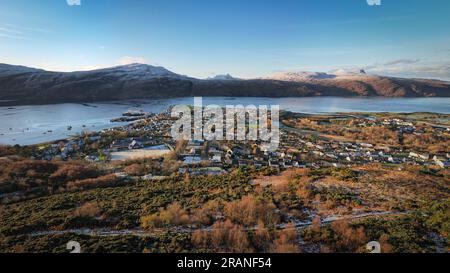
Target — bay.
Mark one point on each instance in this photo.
(25, 125)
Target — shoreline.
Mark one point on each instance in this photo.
(13, 103)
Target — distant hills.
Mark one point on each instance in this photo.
(24, 85)
(225, 77)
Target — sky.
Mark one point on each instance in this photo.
(246, 38)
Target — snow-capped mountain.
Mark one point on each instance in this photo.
(300, 76)
(133, 71)
(23, 85)
(224, 77)
(315, 76)
(142, 70)
(16, 69)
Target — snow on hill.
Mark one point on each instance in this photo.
(21, 85)
(300, 76)
(225, 77)
(16, 69)
(314, 76)
(138, 71)
(131, 71)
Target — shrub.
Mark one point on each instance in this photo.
(262, 238)
(224, 237)
(173, 215)
(71, 172)
(207, 213)
(249, 211)
(102, 181)
(134, 169)
(348, 238)
(287, 241)
(438, 217)
(88, 209)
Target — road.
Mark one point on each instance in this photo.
(104, 232)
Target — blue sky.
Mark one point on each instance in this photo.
(246, 38)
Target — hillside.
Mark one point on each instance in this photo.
(22, 85)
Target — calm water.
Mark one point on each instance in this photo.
(31, 124)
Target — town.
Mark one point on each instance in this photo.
(148, 136)
(335, 182)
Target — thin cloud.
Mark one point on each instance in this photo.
(121, 61)
(412, 68)
(24, 30)
(9, 30)
(402, 61)
(357, 21)
(11, 36)
(15, 32)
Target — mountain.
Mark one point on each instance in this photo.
(136, 72)
(29, 86)
(362, 84)
(225, 77)
(23, 85)
(6, 69)
(300, 76)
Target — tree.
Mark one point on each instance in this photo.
(173, 215)
(249, 211)
(316, 224)
(261, 240)
(287, 241)
(386, 247)
(88, 209)
(207, 213)
(134, 169)
(349, 239)
(223, 237)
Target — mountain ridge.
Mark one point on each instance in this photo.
(223, 77)
(24, 85)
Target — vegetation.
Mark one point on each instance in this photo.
(44, 203)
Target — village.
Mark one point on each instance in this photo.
(148, 136)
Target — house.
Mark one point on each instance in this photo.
(242, 163)
(217, 158)
(191, 160)
(273, 164)
(288, 164)
(135, 145)
(122, 175)
(443, 164)
(94, 138)
(205, 171)
(437, 158)
(120, 144)
(92, 158)
(423, 156)
(147, 177)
